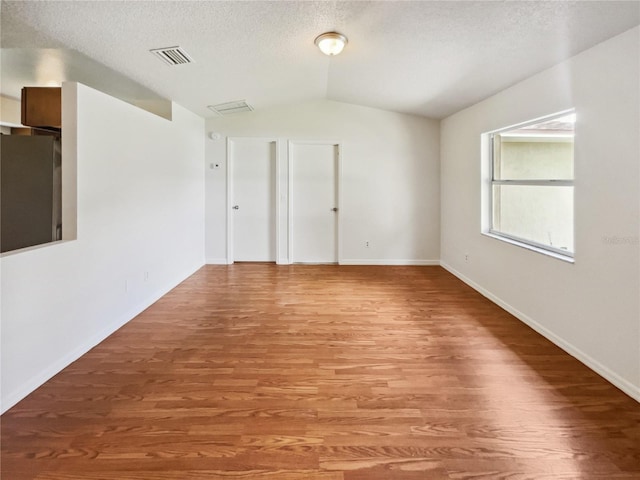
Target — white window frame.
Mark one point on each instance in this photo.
(512, 239)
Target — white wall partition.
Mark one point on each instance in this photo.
(590, 308)
(390, 196)
(140, 230)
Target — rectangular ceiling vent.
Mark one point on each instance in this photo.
(172, 55)
(230, 108)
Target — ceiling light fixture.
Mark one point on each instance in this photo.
(331, 43)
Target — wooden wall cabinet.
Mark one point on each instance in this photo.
(42, 107)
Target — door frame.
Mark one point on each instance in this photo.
(229, 181)
(290, 206)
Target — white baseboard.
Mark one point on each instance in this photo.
(223, 261)
(627, 387)
(57, 366)
(285, 261)
(33, 383)
(387, 262)
(217, 261)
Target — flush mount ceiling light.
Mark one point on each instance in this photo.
(331, 43)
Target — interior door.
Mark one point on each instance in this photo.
(253, 203)
(314, 203)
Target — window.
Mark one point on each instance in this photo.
(531, 191)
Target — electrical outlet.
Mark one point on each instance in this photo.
(466, 257)
(366, 244)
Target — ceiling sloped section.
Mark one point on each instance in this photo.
(425, 58)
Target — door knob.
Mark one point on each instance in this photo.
(236, 207)
(334, 209)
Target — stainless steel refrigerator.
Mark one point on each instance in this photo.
(30, 178)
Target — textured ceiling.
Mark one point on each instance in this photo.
(426, 58)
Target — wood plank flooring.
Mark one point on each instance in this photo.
(257, 371)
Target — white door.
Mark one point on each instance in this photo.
(253, 199)
(314, 203)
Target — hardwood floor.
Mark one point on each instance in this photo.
(257, 371)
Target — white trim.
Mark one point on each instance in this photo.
(229, 180)
(216, 261)
(31, 248)
(36, 381)
(33, 383)
(535, 183)
(626, 386)
(339, 240)
(290, 144)
(277, 200)
(534, 121)
(384, 261)
(529, 245)
(289, 201)
(228, 204)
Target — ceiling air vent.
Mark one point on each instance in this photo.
(231, 107)
(172, 55)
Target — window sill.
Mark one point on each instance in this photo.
(35, 247)
(559, 256)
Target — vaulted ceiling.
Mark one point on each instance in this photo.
(428, 58)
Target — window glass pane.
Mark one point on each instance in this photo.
(542, 214)
(542, 151)
(535, 160)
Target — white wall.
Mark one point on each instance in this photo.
(390, 178)
(140, 198)
(590, 308)
(10, 111)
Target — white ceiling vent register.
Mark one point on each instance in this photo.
(172, 55)
(230, 108)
